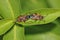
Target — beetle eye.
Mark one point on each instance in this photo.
(29, 16)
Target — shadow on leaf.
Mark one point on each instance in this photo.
(39, 28)
(58, 19)
(1, 37)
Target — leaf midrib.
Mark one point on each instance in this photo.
(12, 12)
(15, 33)
(11, 9)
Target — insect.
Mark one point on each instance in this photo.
(22, 18)
(37, 16)
(34, 16)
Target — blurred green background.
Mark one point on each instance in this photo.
(27, 5)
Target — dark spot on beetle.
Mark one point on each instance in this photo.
(29, 16)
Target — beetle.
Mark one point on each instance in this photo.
(22, 18)
(37, 16)
(34, 16)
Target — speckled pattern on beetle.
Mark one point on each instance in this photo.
(34, 16)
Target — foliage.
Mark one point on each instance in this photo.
(46, 29)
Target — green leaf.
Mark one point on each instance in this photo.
(57, 27)
(54, 3)
(46, 36)
(9, 9)
(28, 5)
(44, 32)
(49, 16)
(0, 17)
(16, 33)
(5, 25)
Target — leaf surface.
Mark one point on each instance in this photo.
(28, 5)
(49, 16)
(10, 9)
(5, 25)
(17, 33)
(44, 32)
(54, 3)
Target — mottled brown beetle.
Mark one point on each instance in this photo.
(37, 16)
(22, 18)
(34, 16)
